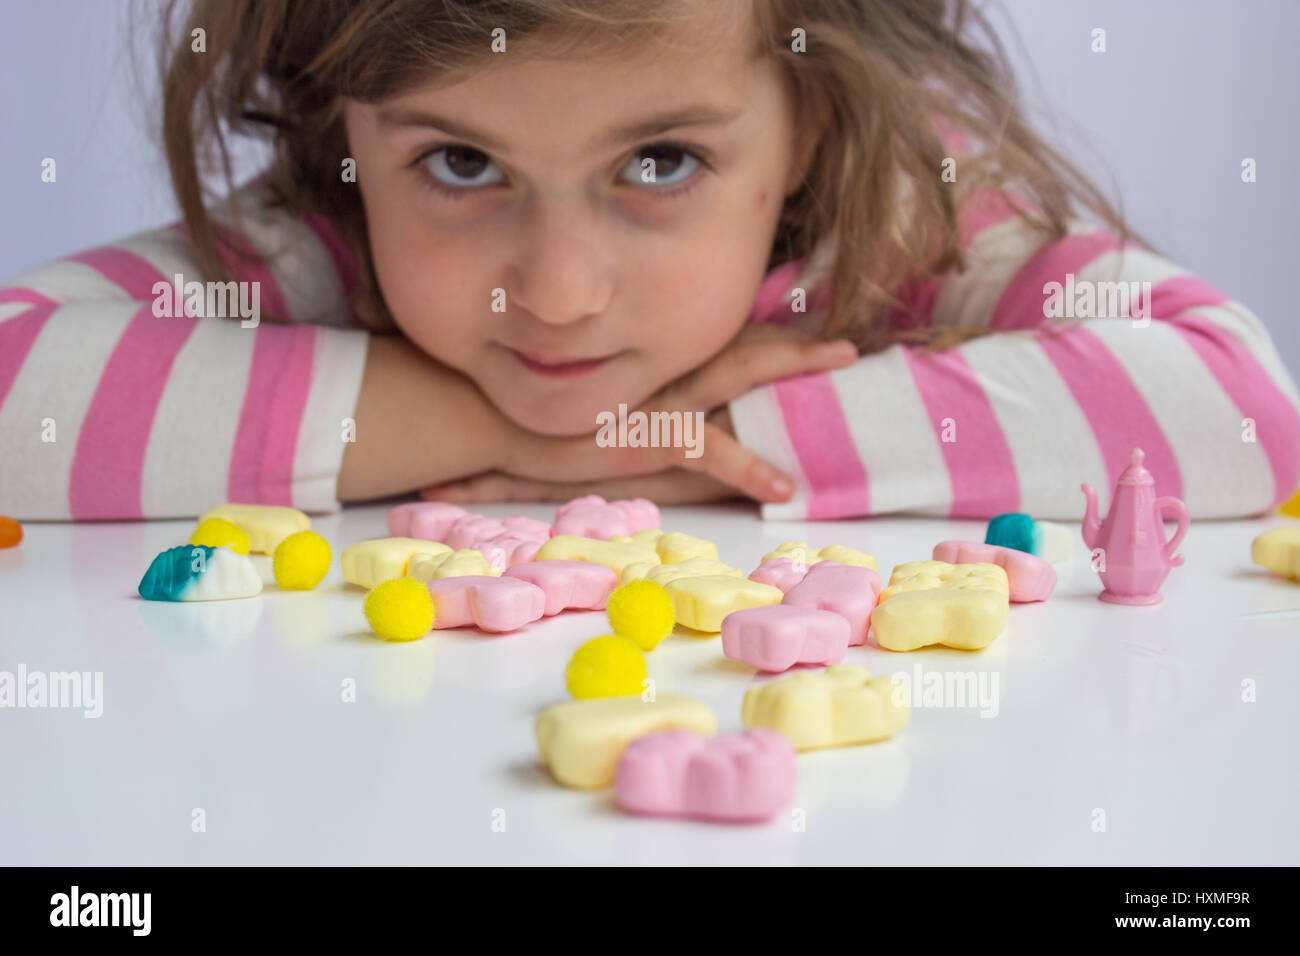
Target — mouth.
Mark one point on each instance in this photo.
(558, 366)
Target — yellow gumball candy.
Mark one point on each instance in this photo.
(1291, 507)
(606, 666)
(641, 611)
(301, 561)
(400, 609)
(220, 533)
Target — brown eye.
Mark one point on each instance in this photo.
(465, 162)
(463, 167)
(666, 159)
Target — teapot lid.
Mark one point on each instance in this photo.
(1135, 473)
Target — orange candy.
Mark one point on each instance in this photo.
(11, 532)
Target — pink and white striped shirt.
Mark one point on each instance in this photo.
(109, 412)
(1015, 421)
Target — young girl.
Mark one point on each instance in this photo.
(822, 224)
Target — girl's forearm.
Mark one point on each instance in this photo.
(418, 423)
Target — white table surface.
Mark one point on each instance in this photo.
(236, 708)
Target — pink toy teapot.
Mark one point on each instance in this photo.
(1134, 555)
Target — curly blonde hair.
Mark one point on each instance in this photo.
(879, 84)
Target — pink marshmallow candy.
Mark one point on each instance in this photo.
(583, 585)
(591, 516)
(844, 589)
(526, 527)
(429, 520)
(507, 550)
(518, 545)
(781, 573)
(504, 541)
(1030, 578)
(737, 778)
(778, 636)
(642, 513)
(471, 530)
(488, 603)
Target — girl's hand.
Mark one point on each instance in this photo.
(537, 466)
(416, 422)
(673, 486)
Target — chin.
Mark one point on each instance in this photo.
(556, 418)
(566, 410)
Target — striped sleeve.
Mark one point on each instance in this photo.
(111, 411)
(1073, 377)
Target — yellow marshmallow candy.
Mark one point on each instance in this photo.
(932, 602)
(661, 574)
(1279, 551)
(451, 564)
(370, 563)
(675, 547)
(701, 603)
(615, 555)
(840, 706)
(929, 575)
(265, 525)
(800, 552)
(645, 538)
(581, 741)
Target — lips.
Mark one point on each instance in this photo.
(554, 366)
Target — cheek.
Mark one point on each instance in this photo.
(701, 291)
(698, 304)
(432, 286)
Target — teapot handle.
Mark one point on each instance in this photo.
(1180, 510)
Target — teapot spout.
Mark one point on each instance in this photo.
(1091, 525)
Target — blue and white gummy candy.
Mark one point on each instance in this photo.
(1052, 543)
(195, 572)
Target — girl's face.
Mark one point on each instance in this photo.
(573, 234)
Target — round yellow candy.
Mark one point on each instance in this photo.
(607, 666)
(1291, 507)
(400, 609)
(218, 533)
(641, 611)
(301, 561)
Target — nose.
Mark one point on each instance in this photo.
(560, 270)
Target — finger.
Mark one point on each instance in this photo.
(675, 487)
(587, 458)
(711, 450)
(669, 487)
(728, 461)
(721, 418)
(490, 486)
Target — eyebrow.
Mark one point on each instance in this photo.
(697, 115)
